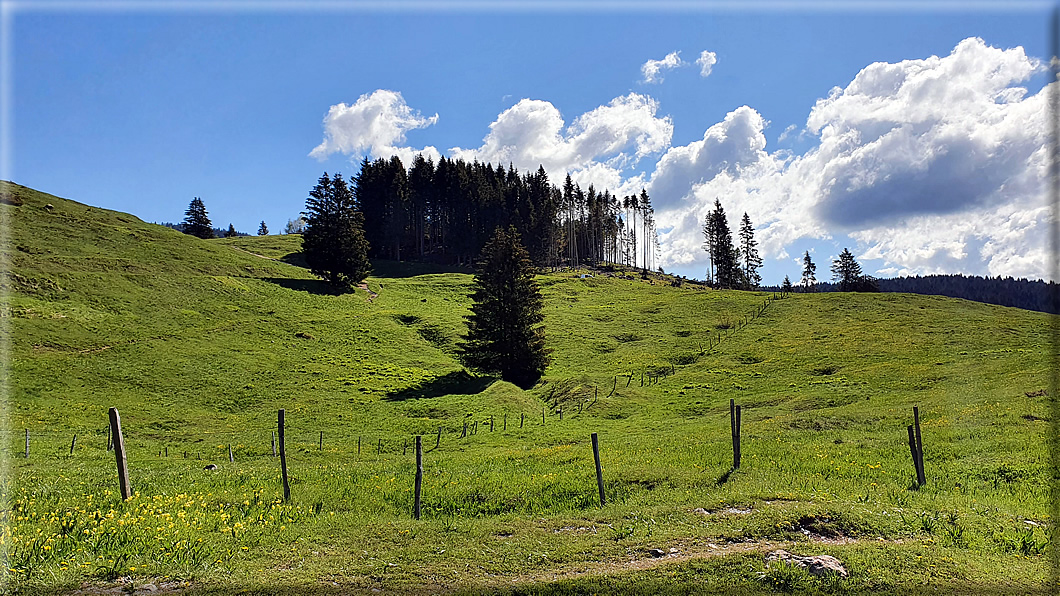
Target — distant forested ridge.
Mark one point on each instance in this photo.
(446, 212)
(1003, 291)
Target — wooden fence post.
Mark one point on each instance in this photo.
(27, 443)
(739, 451)
(119, 454)
(522, 416)
(912, 452)
(358, 445)
(921, 478)
(464, 432)
(283, 457)
(599, 470)
(320, 445)
(419, 476)
(274, 443)
(505, 427)
(438, 441)
(72, 444)
(491, 422)
(732, 433)
(167, 446)
(379, 448)
(231, 458)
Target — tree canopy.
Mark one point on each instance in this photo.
(333, 239)
(196, 221)
(504, 331)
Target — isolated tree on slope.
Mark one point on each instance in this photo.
(786, 286)
(726, 257)
(504, 332)
(847, 272)
(749, 253)
(196, 221)
(263, 230)
(809, 273)
(333, 240)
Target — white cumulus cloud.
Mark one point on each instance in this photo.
(374, 125)
(706, 62)
(931, 165)
(599, 145)
(652, 69)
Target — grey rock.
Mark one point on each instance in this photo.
(815, 565)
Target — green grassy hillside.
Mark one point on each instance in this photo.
(198, 343)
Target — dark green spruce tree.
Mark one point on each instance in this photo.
(809, 274)
(786, 286)
(749, 253)
(847, 273)
(231, 231)
(504, 331)
(333, 240)
(263, 230)
(196, 221)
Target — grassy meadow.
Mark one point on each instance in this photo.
(199, 343)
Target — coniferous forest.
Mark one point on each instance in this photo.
(446, 212)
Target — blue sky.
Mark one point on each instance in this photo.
(932, 162)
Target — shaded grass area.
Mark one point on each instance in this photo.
(198, 343)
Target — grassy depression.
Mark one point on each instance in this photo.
(199, 343)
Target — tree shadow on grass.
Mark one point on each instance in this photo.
(312, 286)
(295, 258)
(455, 383)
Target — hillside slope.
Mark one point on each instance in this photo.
(198, 343)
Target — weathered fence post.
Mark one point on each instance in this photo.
(464, 432)
(320, 445)
(599, 470)
(491, 422)
(739, 450)
(27, 443)
(167, 447)
(231, 458)
(274, 443)
(505, 427)
(921, 478)
(522, 416)
(912, 452)
(119, 454)
(419, 476)
(438, 441)
(283, 457)
(72, 444)
(379, 448)
(358, 445)
(561, 413)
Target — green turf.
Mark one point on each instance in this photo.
(199, 343)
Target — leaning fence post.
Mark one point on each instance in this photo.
(920, 476)
(599, 471)
(72, 444)
(419, 476)
(283, 458)
(912, 452)
(119, 454)
(438, 441)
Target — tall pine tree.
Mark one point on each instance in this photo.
(809, 273)
(749, 254)
(333, 240)
(504, 332)
(196, 221)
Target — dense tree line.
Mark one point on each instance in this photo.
(446, 212)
